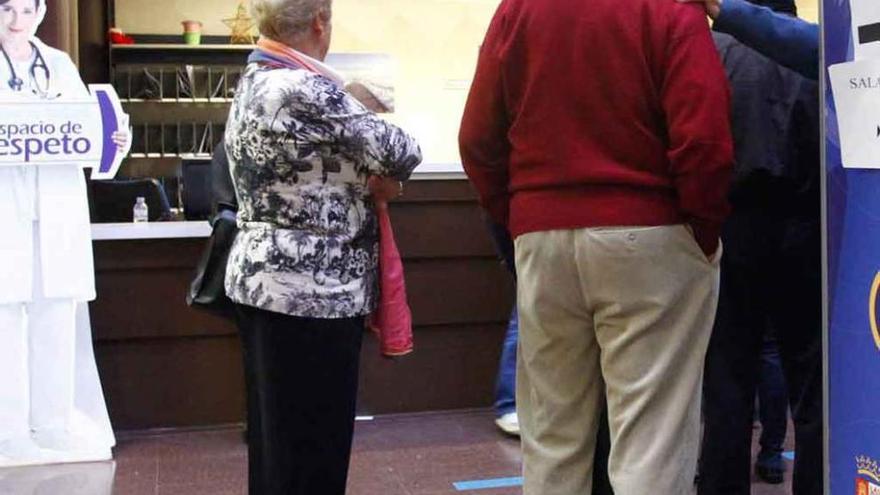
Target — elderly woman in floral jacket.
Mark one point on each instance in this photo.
(303, 268)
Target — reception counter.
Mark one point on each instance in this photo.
(154, 230)
(164, 364)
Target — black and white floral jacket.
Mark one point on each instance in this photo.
(300, 152)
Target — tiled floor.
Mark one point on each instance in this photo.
(399, 455)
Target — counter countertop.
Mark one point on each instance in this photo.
(151, 230)
(198, 229)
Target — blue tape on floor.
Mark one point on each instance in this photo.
(788, 455)
(487, 484)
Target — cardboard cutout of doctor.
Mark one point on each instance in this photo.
(51, 404)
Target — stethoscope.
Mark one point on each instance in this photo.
(17, 84)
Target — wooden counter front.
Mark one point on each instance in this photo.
(164, 364)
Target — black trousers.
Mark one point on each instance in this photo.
(770, 278)
(301, 376)
(601, 482)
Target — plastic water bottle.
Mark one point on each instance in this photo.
(141, 212)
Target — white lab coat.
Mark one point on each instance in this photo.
(46, 260)
(58, 202)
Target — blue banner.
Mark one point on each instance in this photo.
(852, 217)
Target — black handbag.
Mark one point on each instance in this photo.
(207, 291)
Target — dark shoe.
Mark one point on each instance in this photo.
(771, 475)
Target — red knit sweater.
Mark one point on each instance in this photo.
(599, 113)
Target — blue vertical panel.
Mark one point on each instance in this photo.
(853, 263)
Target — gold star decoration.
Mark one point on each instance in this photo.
(241, 26)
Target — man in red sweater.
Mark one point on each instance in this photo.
(598, 133)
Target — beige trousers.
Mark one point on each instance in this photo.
(624, 312)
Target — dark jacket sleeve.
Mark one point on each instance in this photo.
(807, 122)
(789, 41)
(482, 139)
(696, 102)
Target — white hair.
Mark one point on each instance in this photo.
(286, 20)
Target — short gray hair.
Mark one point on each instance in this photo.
(286, 20)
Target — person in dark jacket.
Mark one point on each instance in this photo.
(770, 274)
